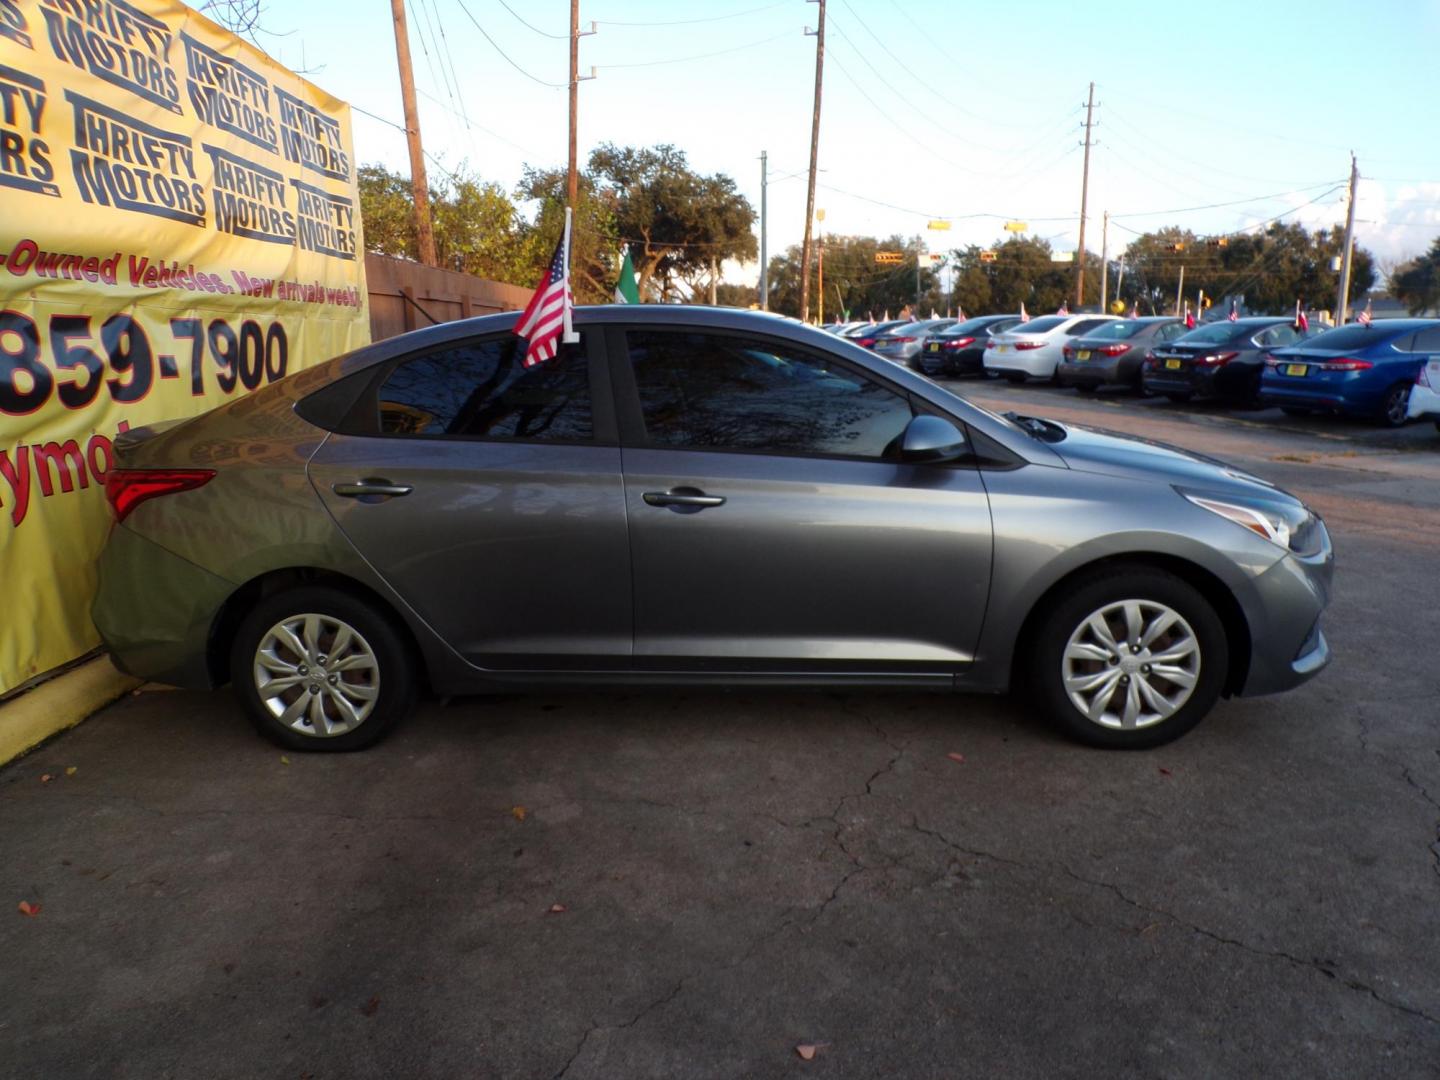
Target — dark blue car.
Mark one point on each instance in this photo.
(1357, 370)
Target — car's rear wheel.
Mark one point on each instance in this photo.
(319, 669)
(1130, 659)
(1395, 407)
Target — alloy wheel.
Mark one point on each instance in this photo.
(1131, 664)
(1397, 405)
(317, 675)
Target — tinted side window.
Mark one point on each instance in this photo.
(1170, 331)
(1084, 326)
(481, 389)
(714, 391)
(1427, 341)
(1279, 335)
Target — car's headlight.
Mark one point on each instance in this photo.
(1289, 525)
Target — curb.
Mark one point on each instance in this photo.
(59, 703)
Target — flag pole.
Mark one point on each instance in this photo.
(570, 337)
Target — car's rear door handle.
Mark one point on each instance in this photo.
(371, 486)
(683, 498)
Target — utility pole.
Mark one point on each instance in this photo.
(820, 271)
(1105, 265)
(764, 261)
(1342, 303)
(572, 189)
(919, 245)
(814, 150)
(1084, 199)
(714, 280)
(1120, 279)
(1180, 290)
(424, 235)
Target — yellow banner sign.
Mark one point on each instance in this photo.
(889, 256)
(179, 224)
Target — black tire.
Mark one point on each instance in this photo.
(1294, 410)
(393, 672)
(1086, 388)
(1180, 396)
(1395, 405)
(1437, 425)
(1069, 610)
(1014, 378)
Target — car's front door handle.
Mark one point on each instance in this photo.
(371, 486)
(684, 498)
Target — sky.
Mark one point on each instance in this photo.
(967, 111)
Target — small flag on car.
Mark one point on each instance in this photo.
(1365, 317)
(1135, 310)
(1189, 317)
(626, 291)
(545, 322)
(1234, 315)
(1024, 315)
(1301, 322)
(1064, 308)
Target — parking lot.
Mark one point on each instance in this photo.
(694, 885)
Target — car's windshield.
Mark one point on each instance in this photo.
(969, 326)
(1350, 337)
(1217, 333)
(1117, 331)
(1039, 326)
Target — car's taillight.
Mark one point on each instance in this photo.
(957, 343)
(1115, 350)
(1029, 344)
(1068, 352)
(1348, 363)
(1217, 359)
(990, 344)
(1269, 359)
(900, 340)
(1423, 377)
(125, 489)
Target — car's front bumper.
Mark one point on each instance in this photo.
(1287, 645)
(1424, 402)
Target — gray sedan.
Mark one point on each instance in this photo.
(903, 344)
(689, 497)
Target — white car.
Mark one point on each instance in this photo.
(1034, 349)
(1425, 394)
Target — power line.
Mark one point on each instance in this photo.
(700, 56)
(504, 55)
(1239, 202)
(449, 57)
(690, 22)
(529, 26)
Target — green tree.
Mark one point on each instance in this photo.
(854, 281)
(677, 223)
(594, 245)
(1416, 283)
(1023, 271)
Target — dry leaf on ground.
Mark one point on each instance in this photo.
(71, 770)
(27, 908)
(807, 1051)
(953, 756)
(558, 909)
(518, 812)
(45, 778)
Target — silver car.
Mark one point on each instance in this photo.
(689, 497)
(904, 343)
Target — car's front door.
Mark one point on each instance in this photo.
(489, 496)
(772, 526)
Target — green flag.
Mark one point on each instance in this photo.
(626, 292)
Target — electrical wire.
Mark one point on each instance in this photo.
(457, 96)
(699, 56)
(530, 26)
(1237, 202)
(506, 56)
(691, 22)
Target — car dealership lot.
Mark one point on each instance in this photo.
(922, 886)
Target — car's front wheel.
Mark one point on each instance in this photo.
(319, 669)
(1130, 659)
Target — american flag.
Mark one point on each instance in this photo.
(1189, 317)
(1302, 322)
(549, 311)
(1135, 310)
(1234, 315)
(1365, 316)
(1024, 317)
(1064, 308)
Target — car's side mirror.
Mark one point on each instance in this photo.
(930, 440)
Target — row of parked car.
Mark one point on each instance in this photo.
(1387, 371)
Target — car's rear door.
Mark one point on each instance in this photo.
(769, 529)
(489, 496)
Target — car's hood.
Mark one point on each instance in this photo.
(1126, 456)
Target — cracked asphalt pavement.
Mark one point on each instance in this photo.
(741, 873)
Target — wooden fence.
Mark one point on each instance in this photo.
(407, 296)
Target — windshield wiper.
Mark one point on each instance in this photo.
(1044, 430)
